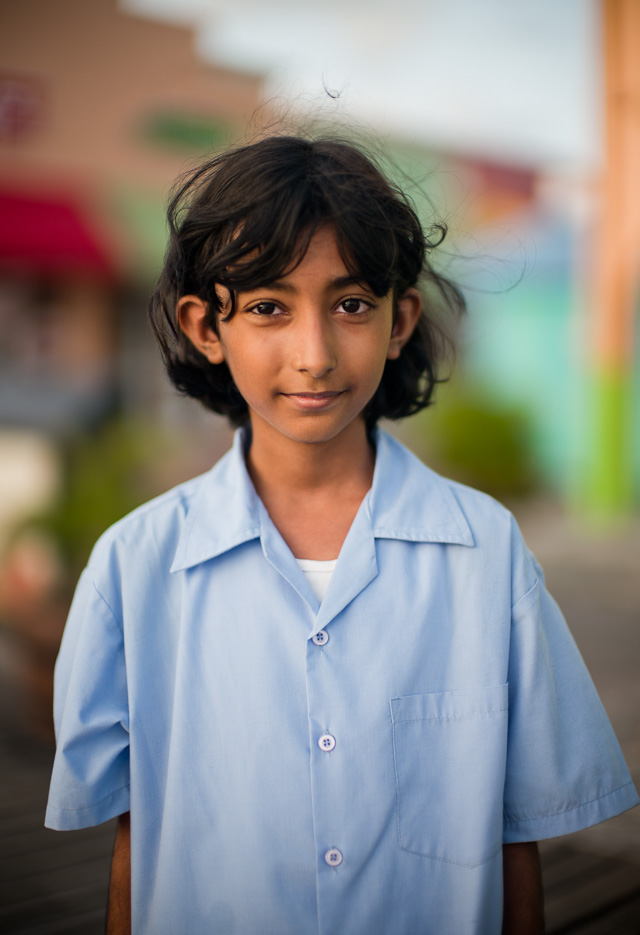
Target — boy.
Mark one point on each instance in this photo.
(328, 686)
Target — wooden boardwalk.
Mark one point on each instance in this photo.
(56, 883)
(589, 894)
(50, 883)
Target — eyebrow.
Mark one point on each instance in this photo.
(340, 282)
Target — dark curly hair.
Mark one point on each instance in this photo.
(245, 218)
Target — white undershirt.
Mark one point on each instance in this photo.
(318, 574)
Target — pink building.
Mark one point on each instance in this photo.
(99, 110)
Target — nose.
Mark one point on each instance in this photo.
(315, 351)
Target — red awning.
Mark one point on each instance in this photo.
(50, 236)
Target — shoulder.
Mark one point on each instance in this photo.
(158, 520)
(415, 500)
(432, 498)
(133, 559)
(483, 512)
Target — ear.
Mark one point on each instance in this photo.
(408, 311)
(193, 319)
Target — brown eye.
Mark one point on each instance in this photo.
(264, 309)
(354, 306)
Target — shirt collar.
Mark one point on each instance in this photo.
(410, 501)
(407, 501)
(223, 512)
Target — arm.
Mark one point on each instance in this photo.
(523, 900)
(119, 905)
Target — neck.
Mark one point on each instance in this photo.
(342, 464)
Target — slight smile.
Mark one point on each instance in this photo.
(314, 400)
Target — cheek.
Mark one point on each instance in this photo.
(250, 366)
(378, 352)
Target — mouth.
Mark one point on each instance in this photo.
(327, 394)
(309, 400)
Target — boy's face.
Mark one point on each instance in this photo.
(306, 352)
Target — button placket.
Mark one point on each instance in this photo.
(320, 675)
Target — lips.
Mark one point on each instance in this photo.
(310, 401)
(327, 394)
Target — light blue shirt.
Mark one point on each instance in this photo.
(345, 768)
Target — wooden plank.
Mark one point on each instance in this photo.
(621, 920)
(83, 923)
(84, 916)
(585, 890)
(85, 843)
(568, 869)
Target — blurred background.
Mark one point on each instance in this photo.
(518, 124)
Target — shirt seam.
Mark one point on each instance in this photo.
(451, 717)
(456, 863)
(211, 551)
(565, 811)
(106, 603)
(526, 594)
(417, 535)
(94, 805)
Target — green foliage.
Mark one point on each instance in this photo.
(193, 133)
(474, 439)
(105, 476)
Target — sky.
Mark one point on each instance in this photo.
(513, 78)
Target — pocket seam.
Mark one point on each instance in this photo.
(456, 863)
(467, 702)
(450, 717)
(396, 722)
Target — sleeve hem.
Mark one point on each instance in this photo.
(573, 819)
(76, 817)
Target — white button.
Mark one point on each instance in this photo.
(333, 857)
(327, 742)
(320, 638)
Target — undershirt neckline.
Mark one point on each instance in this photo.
(318, 574)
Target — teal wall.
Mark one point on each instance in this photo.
(519, 348)
(528, 346)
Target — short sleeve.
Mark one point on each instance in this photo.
(565, 769)
(90, 780)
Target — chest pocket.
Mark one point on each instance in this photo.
(450, 753)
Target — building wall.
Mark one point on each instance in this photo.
(99, 111)
(100, 75)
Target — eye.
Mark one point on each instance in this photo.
(354, 306)
(264, 309)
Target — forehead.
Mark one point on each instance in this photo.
(316, 255)
(319, 256)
